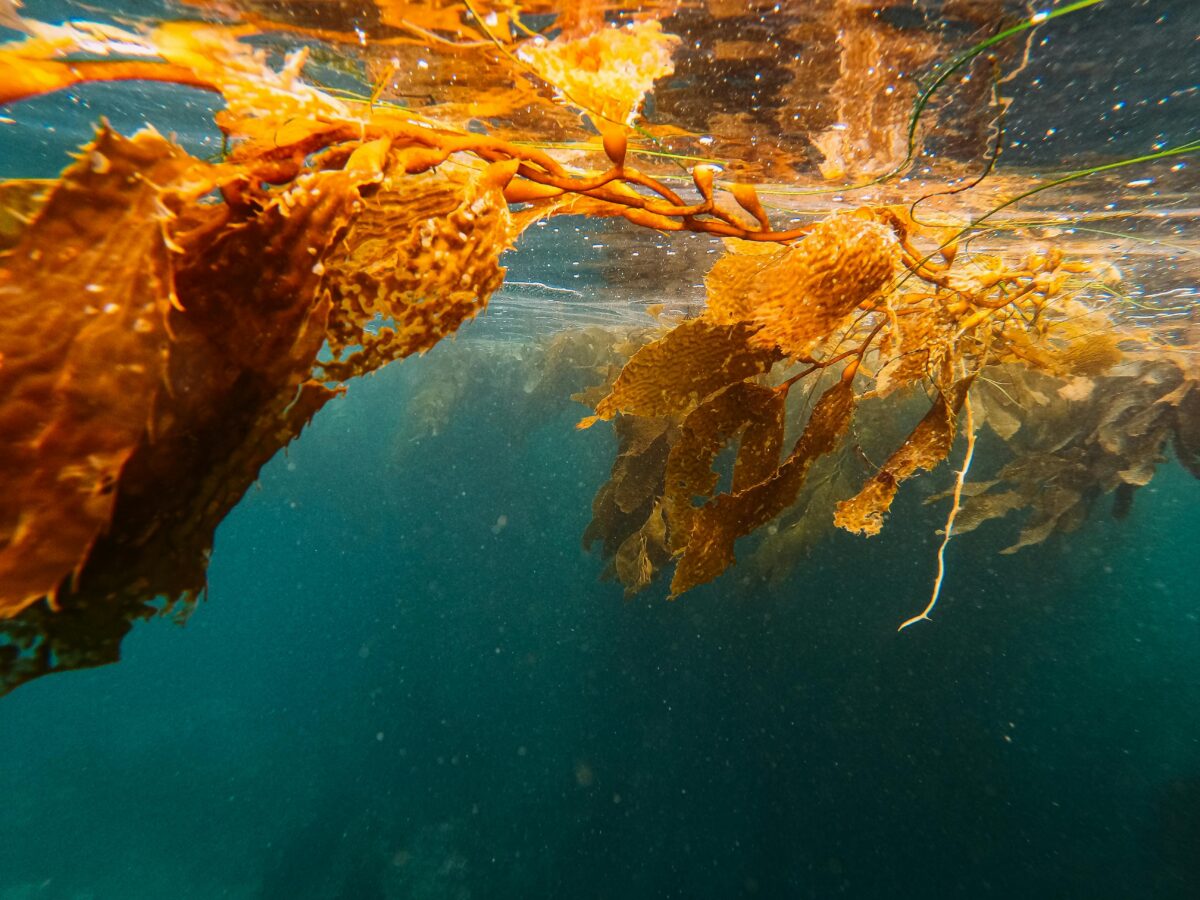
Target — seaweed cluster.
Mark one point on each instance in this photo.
(856, 300)
(164, 316)
(169, 322)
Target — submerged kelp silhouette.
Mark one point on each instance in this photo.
(164, 318)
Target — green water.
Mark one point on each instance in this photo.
(390, 694)
(408, 681)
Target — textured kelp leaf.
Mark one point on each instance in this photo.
(671, 375)
(762, 441)
(637, 474)
(916, 346)
(719, 523)
(1080, 346)
(797, 295)
(241, 291)
(636, 434)
(927, 446)
(985, 507)
(423, 255)
(753, 410)
(609, 72)
(83, 350)
(253, 319)
(605, 512)
(995, 407)
(1091, 354)
(1059, 508)
(1134, 427)
(1083, 443)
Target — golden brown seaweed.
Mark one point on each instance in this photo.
(719, 523)
(1108, 434)
(163, 316)
(19, 202)
(925, 448)
(84, 350)
(627, 518)
(674, 373)
(756, 413)
(171, 360)
(424, 256)
(796, 295)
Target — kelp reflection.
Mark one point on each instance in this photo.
(164, 316)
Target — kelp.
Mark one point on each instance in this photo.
(753, 411)
(427, 236)
(165, 315)
(79, 380)
(854, 295)
(689, 363)
(627, 516)
(19, 201)
(176, 362)
(1090, 438)
(925, 448)
(795, 296)
(169, 322)
(720, 522)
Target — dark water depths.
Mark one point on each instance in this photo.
(393, 692)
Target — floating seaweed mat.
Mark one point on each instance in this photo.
(160, 344)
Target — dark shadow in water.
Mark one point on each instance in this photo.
(1179, 808)
(330, 856)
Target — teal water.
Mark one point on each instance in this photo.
(391, 692)
(408, 681)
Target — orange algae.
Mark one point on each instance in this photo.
(79, 379)
(609, 72)
(164, 315)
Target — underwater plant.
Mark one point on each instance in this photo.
(169, 322)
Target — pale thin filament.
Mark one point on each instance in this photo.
(955, 507)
